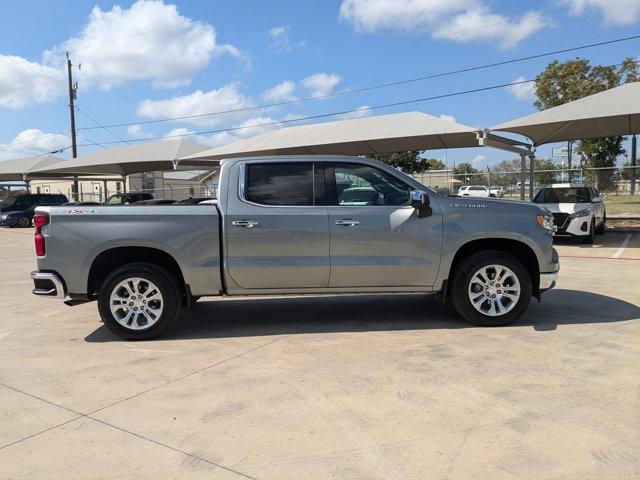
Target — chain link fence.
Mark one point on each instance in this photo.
(619, 186)
(100, 195)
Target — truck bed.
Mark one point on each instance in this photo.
(189, 233)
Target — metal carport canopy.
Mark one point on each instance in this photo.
(124, 160)
(609, 113)
(20, 168)
(360, 136)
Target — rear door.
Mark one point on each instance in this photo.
(377, 240)
(277, 226)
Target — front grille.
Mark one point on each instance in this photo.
(559, 219)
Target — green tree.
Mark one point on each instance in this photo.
(435, 164)
(545, 171)
(409, 162)
(465, 169)
(563, 82)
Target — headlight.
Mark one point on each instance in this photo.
(546, 221)
(582, 213)
(3, 218)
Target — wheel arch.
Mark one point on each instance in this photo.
(112, 258)
(520, 250)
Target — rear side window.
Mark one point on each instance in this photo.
(284, 184)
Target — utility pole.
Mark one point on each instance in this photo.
(73, 89)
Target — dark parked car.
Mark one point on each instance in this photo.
(193, 200)
(80, 204)
(156, 201)
(127, 198)
(18, 210)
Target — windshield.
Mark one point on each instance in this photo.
(563, 195)
(115, 200)
(14, 202)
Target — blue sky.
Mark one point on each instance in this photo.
(149, 60)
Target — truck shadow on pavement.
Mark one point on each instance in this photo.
(255, 316)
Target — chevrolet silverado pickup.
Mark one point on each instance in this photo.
(296, 225)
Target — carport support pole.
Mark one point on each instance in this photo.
(532, 164)
(523, 167)
(634, 151)
(124, 183)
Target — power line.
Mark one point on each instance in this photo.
(375, 87)
(99, 124)
(345, 112)
(32, 140)
(91, 141)
(31, 118)
(325, 115)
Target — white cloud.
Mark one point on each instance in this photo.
(479, 160)
(32, 142)
(137, 131)
(321, 84)
(456, 20)
(23, 82)
(177, 132)
(113, 46)
(246, 129)
(197, 103)
(284, 91)
(522, 91)
(362, 111)
(450, 118)
(279, 38)
(614, 12)
(481, 24)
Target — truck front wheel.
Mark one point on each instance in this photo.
(139, 301)
(491, 288)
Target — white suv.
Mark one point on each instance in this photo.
(475, 191)
(577, 209)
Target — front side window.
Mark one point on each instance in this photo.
(362, 185)
(284, 184)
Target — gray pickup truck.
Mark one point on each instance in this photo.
(296, 225)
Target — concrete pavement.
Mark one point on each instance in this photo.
(390, 386)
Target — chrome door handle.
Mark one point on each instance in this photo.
(347, 222)
(245, 223)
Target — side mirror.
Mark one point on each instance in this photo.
(420, 201)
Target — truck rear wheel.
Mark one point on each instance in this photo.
(139, 301)
(491, 288)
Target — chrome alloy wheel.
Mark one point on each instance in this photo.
(494, 290)
(136, 303)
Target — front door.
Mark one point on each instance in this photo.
(377, 239)
(277, 226)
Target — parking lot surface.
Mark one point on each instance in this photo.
(387, 386)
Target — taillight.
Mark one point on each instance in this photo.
(39, 221)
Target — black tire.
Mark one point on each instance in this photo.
(601, 228)
(171, 295)
(591, 236)
(23, 222)
(463, 275)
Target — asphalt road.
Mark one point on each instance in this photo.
(364, 387)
